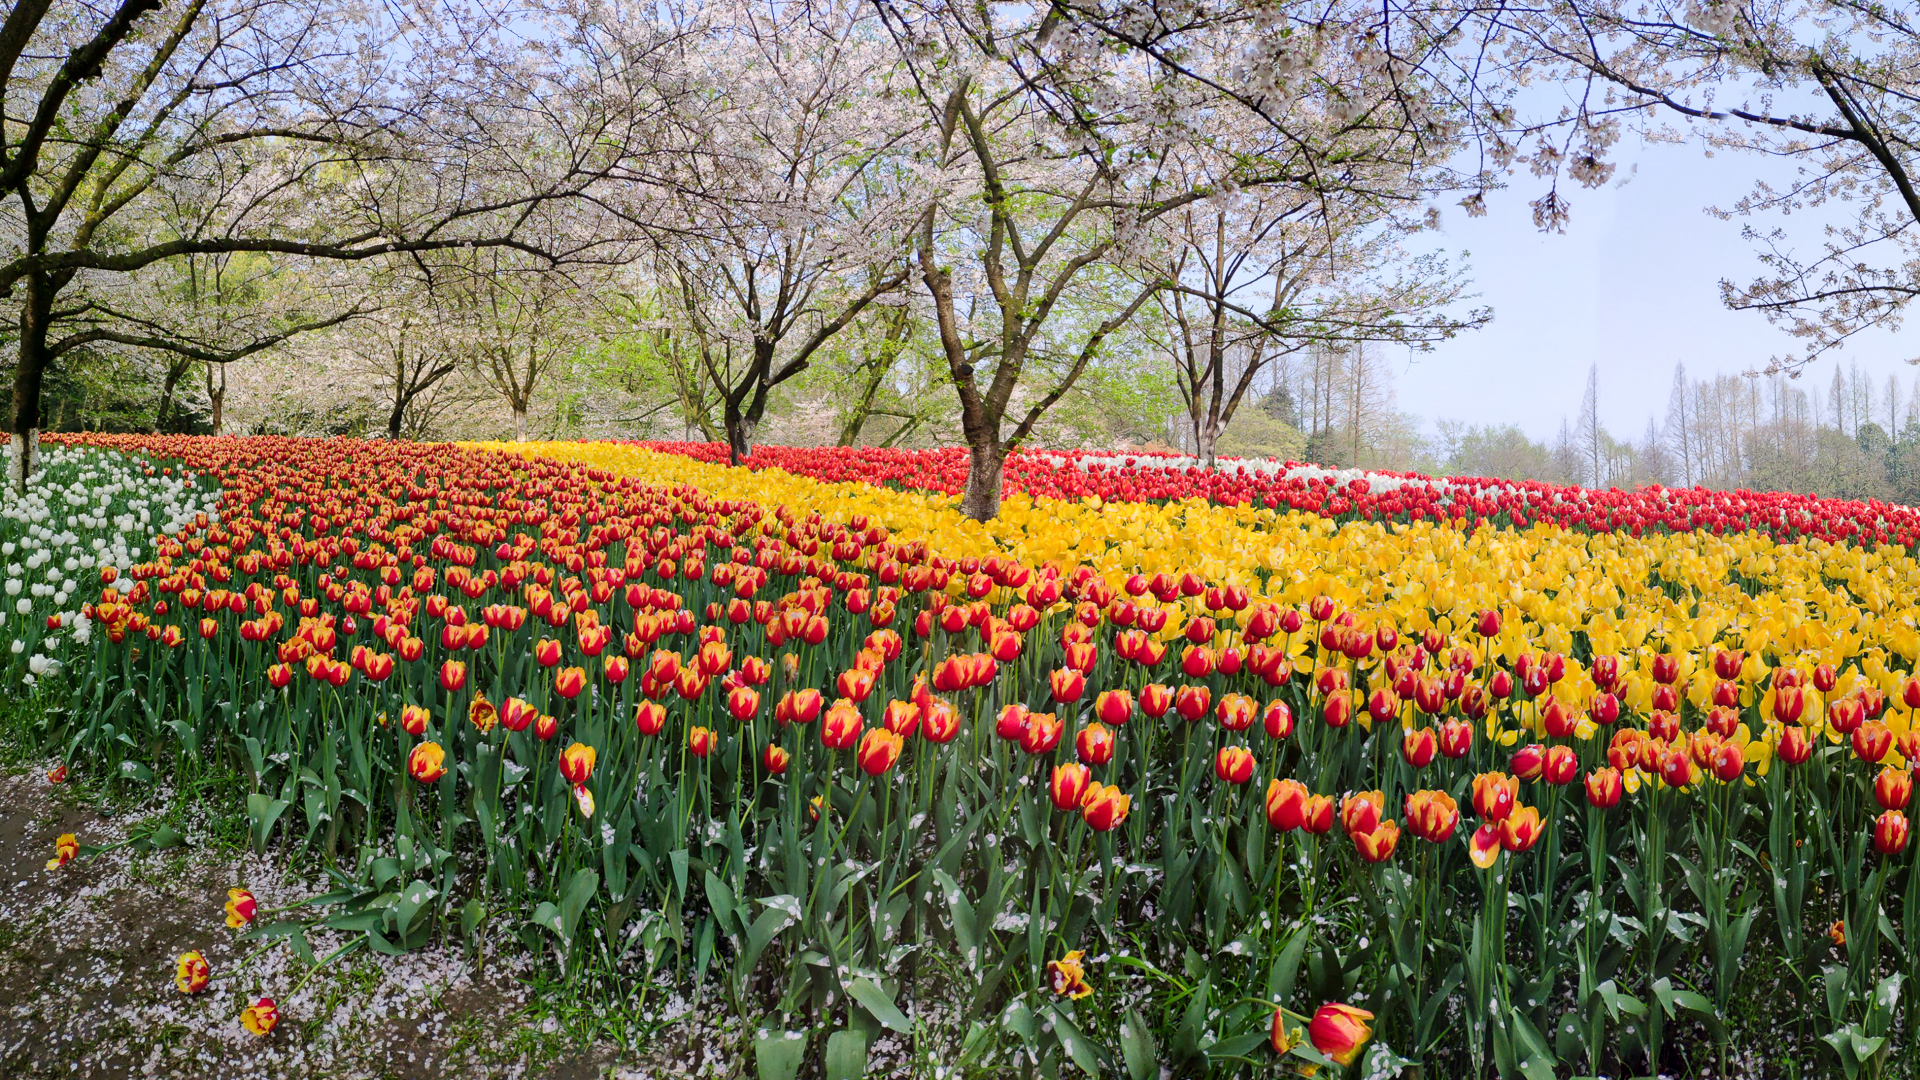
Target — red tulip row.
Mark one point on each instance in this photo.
(1378, 496)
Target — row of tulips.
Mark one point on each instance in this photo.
(1125, 819)
(1347, 494)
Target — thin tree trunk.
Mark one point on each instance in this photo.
(519, 423)
(36, 312)
(167, 388)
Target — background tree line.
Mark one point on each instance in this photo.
(905, 222)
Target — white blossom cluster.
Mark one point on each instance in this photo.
(1281, 470)
(84, 510)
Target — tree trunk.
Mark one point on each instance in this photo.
(986, 461)
(167, 387)
(36, 312)
(519, 423)
(215, 401)
(1206, 437)
(395, 417)
(739, 435)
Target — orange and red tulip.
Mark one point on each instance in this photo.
(842, 725)
(1286, 804)
(700, 741)
(1105, 807)
(1604, 788)
(879, 750)
(568, 682)
(1377, 844)
(1234, 764)
(1340, 1032)
(1494, 795)
(1432, 816)
(576, 763)
(1871, 742)
(775, 759)
(1094, 744)
(1113, 707)
(413, 720)
(1069, 784)
(427, 762)
(1361, 811)
(1520, 830)
(1890, 832)
(1893, 788)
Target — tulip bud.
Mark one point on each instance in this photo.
(1893, 788)
(1604, 788)
(1234, 764)
(1890, 832)
(1418, 747)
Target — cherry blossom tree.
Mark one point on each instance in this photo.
(1059, 146)
(298, 129)
(789, 221)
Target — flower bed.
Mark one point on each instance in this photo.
(1119, 785)
(1348, 494)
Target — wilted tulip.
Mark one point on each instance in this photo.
(261, 1017)
(191, 973)
(241, 908)
(1068, 977)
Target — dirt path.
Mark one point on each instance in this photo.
(87, 964)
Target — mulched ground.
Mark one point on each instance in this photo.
(87, 963)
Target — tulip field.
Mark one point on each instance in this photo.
(1269, 771)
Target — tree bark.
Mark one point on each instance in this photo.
(986, 461)
(394, 418)
(36, 313)
(1207, 440)
(519, 423)
(739, 432)
(167, 388)
(216, 397)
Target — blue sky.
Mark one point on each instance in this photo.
(1633, 285)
